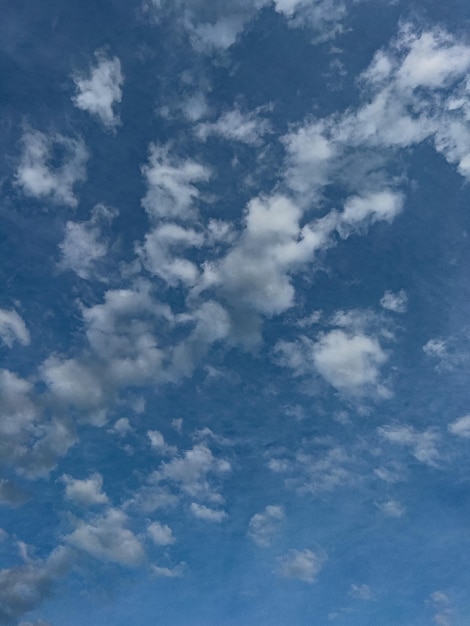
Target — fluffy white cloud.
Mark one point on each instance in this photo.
(207, 514)
(346, 357)
(39, 176)
(263, 526)
(157, 441)
(160, 534)
(28, 441)
(161, 253)
(396, 302)
(13, 328)
(101, 90)
(171, 190)
(461, 427)
(192, 470)
(22, 588)
(360, 211)
(84, 245)
(234, 125)
(86, 492)
(302, 565)
(422, 444)
(107, 538)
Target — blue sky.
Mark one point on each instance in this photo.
(234, 316)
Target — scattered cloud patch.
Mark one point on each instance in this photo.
(101, 90)
(13, 328)
(395, 302)
(303, 565)
(42, 174)
(87, 492)
(263, 526)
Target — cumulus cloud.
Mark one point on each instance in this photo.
(461, 427)
(160, 534)
(13, 328)
(84, 244)
(101, 90)
(207, 514)
(168, 572)
(346, 357)
(263, 526)
(107, 538)
(43, 174)
(302, 565)
(233, 125)
(171, 189)
(24, 587)
(423, 445)
(85, 492)
(395, 302)
(158, 443)
(29, 442)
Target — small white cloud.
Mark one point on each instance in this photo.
(86, 492)
(157, 441)
(234, 125)
(422, 444)
(302, 565)
(40, 178)
(207, 514)
(348, 362)
(171, 190)
(391, 508)
(169, 572)
(436, 348)
(361, 592)
(360, 211)
(84, 244)
(461, 427)
(99, 92)
(263, 526)
(160, 534)
(396, 302)
(122, 426)
(108, 539)
(13, 328)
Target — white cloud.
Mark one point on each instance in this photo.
(40, 177)
(84, 245)
(122, 426)
(263, 526)
(160, 534)
(422, 444)
(99, 92)
(391, 508)
(192, 470)
(28, 441)
(461, 427)
(302, 565)
(207, 514)
(13, 328)
(171, 190)
(23, 588)
(157, 441)
(361, 592)
(349, 363)
(169, 572)
(346, 357)
(85, 492)
(234, 125)
(108, 539)
(161, 253)
(360, 211)
(396, 302)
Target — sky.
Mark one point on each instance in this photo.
(234, 333)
